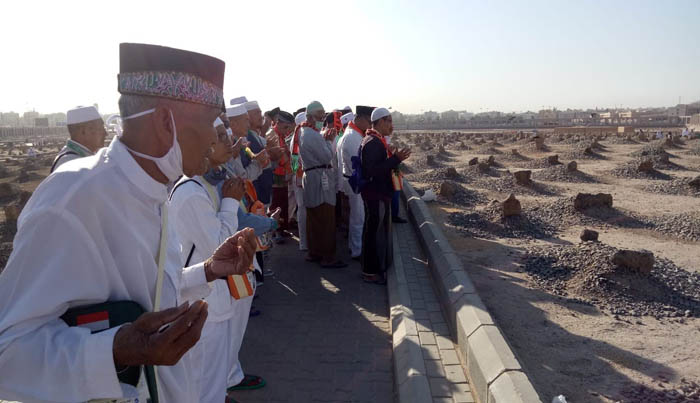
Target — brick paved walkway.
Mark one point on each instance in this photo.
(448, 382)
(324, 334)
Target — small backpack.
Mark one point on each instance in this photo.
(356, 180)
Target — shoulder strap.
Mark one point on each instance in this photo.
(59, 156)
(180, 184)
(189, 257)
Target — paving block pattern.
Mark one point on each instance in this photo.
(441, 377)
(493, 371)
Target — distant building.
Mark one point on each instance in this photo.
(449, 116)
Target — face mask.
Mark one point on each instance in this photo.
(171, 163)
(388, 139)
(319, 126)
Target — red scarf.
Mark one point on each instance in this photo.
(283, 166)
(355, 128)
(307, 124)
(374, 133)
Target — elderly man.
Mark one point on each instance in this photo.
(347, 148)
(204, 211)
(319, 187)
(245, 164)
(378, 164)
(96, 231)
(87, 135)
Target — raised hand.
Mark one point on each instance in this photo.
(234, 256)
(147, 342)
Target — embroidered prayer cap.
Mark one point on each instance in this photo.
(251, 106)
(345, 119)
(238, 100)
(236, 110)
(285, 117)
(82, 114)
(300, 118)
(362, 110)
(313, 107)
(160, 71)
(218, 122)
(379, 113)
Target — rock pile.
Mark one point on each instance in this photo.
(638, 169)
(563, 173)
(677, 187)
(589, 273)
(686, 392)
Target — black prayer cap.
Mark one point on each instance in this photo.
(361, 110)
(285, 117)
(170, 73)
(273, 112)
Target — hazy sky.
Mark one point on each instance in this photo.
(412, 55)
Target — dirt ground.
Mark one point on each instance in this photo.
(566, 347)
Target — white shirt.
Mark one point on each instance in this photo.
(195, 219)
(347, 148)
(90, 233)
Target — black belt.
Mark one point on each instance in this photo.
(318, 167)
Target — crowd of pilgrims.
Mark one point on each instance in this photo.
(135, 265)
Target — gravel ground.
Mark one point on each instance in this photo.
(585, 272)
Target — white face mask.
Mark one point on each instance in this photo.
(171, 163)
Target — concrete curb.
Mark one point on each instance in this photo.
(410, 376)
(494, 372)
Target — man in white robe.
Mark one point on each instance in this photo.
(87, 135)
(203, 211)
(347, 148)
(96, 231)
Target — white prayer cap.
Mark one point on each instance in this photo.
(82, 114)
(379, 113)
(301, 118)
(238, 100)
(236, 110)
(218, 122)
(345, 119)
(251, 105)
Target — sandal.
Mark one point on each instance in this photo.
(249, 382)
(374, 278)
(334, 265)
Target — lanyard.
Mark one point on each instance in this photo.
(77, 148)
(212, 194)
(161, 255)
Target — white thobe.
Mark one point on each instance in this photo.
(317, 154)
(197, 222)
(90, 233)
(347, 148)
